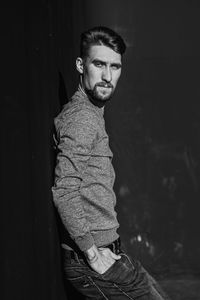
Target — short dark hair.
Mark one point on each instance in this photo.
(101, 36)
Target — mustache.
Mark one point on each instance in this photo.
(104, 84)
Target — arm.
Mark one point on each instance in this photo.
(76, 138)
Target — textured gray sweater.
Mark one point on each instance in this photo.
(84, 175)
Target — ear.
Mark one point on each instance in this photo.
(79, 65)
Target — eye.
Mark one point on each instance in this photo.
(98, 64)
(116, 67)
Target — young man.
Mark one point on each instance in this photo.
(84, 177)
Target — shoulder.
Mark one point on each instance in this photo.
(78, 122)
(77, 114)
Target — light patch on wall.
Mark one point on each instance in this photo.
(124, 191)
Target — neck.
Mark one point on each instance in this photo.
(81, 89)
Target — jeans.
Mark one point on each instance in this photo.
(125, 279)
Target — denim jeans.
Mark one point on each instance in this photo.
(125, 279)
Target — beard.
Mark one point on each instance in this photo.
(101, 93)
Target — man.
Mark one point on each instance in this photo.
(84, 177)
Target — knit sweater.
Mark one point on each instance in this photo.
(84, 175)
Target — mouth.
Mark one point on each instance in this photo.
(105, 85)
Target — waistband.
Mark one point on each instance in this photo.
(115, 247)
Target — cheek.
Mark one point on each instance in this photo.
(91, 78)
(116, 78)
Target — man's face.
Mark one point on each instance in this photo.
(100, 71)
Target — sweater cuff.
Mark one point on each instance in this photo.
(84, 242)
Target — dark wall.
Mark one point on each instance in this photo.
(29, 100)
(153, 122)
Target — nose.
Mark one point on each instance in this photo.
(107, 75)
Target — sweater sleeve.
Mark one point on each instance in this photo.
(76, 137)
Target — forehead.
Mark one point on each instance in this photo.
(103, 53)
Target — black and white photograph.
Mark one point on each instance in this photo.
(100, 150)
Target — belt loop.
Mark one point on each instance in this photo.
(119, 243)
(114, 248)
(76, 257)
(118, 246)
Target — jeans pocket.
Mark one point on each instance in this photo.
(121, 272)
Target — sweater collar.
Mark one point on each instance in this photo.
(81, 93)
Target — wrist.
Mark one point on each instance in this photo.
(91, 254)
